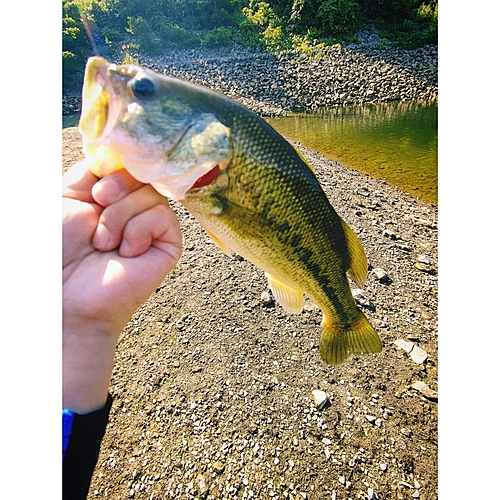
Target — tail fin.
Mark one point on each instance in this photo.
(337, 342)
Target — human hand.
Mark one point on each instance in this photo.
(120, 239)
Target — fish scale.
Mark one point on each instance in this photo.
(251, 191)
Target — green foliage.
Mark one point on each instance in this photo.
(173, 35)
(154, 26)
(409, 23)
(337, 19)
(139, 28)
(128, 59)
(218, 37)
(308, 46)
(261, 27)
(75, 46)
(340, 18)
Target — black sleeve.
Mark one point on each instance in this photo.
(82, 451)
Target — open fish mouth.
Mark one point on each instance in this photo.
(161, 139)
(101, 107)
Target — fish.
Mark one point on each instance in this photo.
(253, 193)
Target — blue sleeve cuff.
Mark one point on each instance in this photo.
(67, 422)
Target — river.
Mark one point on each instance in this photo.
(394, 141)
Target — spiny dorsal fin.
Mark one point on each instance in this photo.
(358, 269)
(291, 299)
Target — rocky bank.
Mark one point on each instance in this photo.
(273, 85)
(220, 394)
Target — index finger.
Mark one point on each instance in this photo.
(78, 182)
(113, 187)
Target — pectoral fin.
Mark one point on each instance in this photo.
(219, 243)
(291, 299)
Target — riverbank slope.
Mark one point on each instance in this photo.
(213, 381)
(275, 85)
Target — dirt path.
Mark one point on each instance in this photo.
(213, 385)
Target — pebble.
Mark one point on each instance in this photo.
(425, 268)
(406, 432)
(361, 297)
(203, 486)
(403, 344)
(417, 354)
(266, 299)
(423, 259)
(380, 274)
(387, 233)
(218, 467)
(321, 399)
(425, 390)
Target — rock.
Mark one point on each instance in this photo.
(418, 355)
(380, 273)
(403, 344)
(218, 467)
(361, 298)
(425, 268)
(203, 486)
(424, 259)
(387, 233)
(426, 391)
(370, 418)
(406, 432)
(321, 399)
(382, 276)
(266, 299)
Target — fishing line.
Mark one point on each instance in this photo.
(94, 35)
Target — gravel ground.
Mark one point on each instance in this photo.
(213, 382)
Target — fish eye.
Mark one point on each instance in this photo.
(143, 88)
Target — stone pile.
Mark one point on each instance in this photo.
(291, 82)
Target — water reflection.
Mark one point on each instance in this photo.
(395, 141)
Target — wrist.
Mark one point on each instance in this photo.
(88, 358)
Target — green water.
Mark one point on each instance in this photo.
(394, 141)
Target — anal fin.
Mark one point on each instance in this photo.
(358, 269)
(291, 299)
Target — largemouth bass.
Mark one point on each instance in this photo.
(251, 191)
